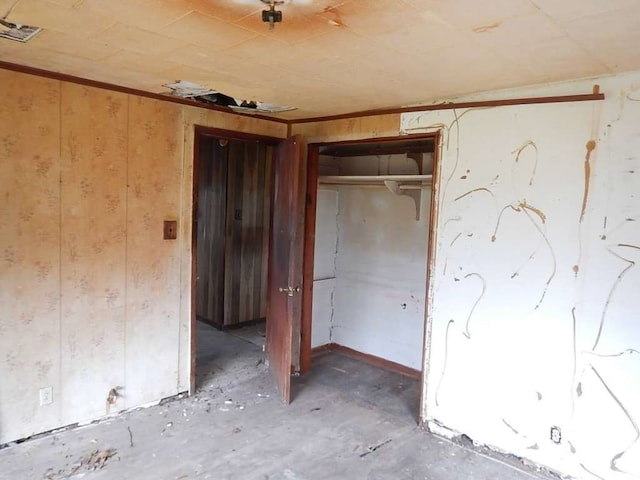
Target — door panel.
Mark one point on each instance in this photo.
(285, 265)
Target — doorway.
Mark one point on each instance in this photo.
(247, 245)
(232, 212)
(370, 220)
(232, 231)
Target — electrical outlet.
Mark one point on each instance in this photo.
(46, 396)
(556, 435)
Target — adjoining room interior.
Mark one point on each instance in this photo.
(232, 214)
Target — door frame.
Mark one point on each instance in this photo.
(222, 134)
(313, 154)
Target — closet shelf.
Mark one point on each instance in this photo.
(408, 185)
(412, 181)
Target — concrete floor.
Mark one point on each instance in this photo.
(347, 420)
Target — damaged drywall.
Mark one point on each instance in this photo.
(535, 341)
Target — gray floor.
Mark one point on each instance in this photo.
(347, 420)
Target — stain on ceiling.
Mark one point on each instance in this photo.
(328, 57)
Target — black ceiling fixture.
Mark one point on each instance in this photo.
(272, 16)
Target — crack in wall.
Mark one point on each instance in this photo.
(335, 265)
(332, 314)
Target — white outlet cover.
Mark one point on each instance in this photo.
(46, 396)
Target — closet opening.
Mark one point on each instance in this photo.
(368, 248)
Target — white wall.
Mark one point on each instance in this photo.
(535, 304)
(371, 253)
(324, 266)
(381, 275)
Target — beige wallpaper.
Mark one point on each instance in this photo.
(94, 214)
(349, 128)
(153, 264)
(29, 252)
(91, 296)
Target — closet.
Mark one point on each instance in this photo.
(233, 208)
(371, 249)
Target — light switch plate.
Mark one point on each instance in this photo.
(170, 229)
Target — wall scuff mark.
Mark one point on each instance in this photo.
(466, 332)
(631, 264)
(591, 473)
(476, 190)
(575, 363)
(510, 427)
(518, 152)
(524, 207)
(444, 364)
(614, 460)
(628, 351)
(591, 145)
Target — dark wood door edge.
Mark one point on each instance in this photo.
(311, 199)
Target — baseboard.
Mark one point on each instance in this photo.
(233, 326)
(322, 349)
(367, 358)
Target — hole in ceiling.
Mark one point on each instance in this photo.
(17, 32)
(199, 93)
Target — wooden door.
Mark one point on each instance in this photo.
(285, 265)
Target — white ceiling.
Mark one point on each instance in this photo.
(329, 56)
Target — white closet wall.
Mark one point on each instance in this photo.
(373, 254)
(324, 269)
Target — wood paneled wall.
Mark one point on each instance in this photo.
(211, 228)
(234, 205)
(248, 217)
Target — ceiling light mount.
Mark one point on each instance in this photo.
(272, 16)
